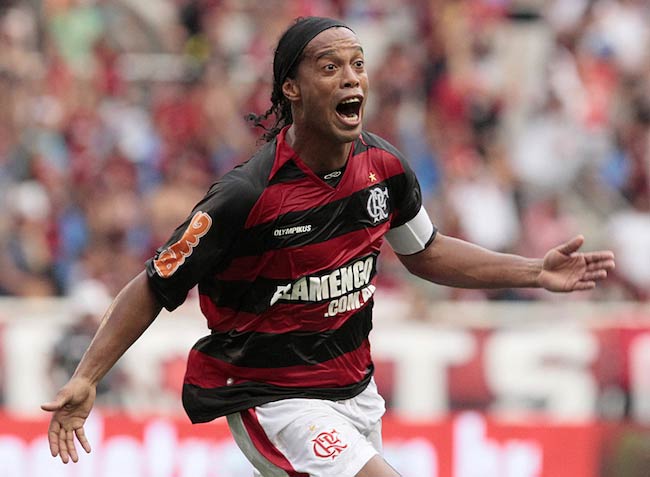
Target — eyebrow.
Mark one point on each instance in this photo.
(332, 52)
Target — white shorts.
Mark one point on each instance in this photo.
(311, 437)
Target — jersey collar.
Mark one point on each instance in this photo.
(283, 152)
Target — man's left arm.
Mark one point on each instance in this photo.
(453, 262)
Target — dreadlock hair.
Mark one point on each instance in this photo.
(280, 109)
(286, 59)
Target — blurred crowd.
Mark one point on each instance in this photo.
(526, 122)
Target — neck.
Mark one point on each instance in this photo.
(318, 153)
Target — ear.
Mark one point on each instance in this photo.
(291, 90)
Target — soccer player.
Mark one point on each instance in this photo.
(284, 251)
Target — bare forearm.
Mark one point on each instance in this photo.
(452, 262)
(131, 313)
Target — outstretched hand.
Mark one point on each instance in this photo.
(70, 409)
(564, 269)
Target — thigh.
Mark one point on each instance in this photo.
(377, 467)
(301, 438)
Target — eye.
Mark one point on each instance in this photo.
(359, 64)
(329, 67)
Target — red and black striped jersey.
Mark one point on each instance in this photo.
(285, 265)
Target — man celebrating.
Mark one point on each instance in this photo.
(284, 251)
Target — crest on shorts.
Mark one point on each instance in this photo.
(378, 204)
(328, 445)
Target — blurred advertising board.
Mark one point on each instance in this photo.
(466, 444)
(473, 390)
(574, 361)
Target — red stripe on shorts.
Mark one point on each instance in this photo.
(265, 447)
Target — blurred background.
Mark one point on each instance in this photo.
(526, 121)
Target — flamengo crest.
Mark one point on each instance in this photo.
(328, 445)
(378, 204)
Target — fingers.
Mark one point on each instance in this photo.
(62, 442)
(57, 436)
(55, 405)
(584, 285)
(72, 449)
(66, 425)
(594, 275)
(63, 446)
(589, 279)
(81, 436)
(61, 399)
(67, 448)
(600, 255)
(608, 265)
(572, 245)
(601, 259)
(53, 438)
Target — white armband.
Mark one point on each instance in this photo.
(413, 236)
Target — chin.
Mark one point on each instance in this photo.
(348, 134)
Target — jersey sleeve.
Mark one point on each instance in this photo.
(411, 229)
(200, 245)
(408, 197)
(405, 193)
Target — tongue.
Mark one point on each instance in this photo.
(349, 116)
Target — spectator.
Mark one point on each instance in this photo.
(505, 108)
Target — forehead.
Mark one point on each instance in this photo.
(332, 39)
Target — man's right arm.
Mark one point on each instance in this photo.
(130, 314)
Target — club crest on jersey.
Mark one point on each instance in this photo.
(174, 256)
(378, 204)
(328, 445)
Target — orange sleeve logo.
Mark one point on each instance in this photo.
(174, 256)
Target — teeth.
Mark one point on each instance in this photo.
(351, 100)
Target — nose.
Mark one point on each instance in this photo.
(350, 77)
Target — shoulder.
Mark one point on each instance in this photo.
(252, 175)
(372, 140)
(236, 192)
(392, 158)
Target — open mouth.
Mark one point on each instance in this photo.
(349, 109)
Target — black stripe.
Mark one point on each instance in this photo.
(327, 221)
(268, 350)
(203, 405)
(255, 171)
(255, 297)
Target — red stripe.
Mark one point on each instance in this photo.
(294, 262)
(286, 197)
(265, 447)
(208, 372)
(364, 170)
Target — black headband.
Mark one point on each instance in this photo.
(295, 40)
